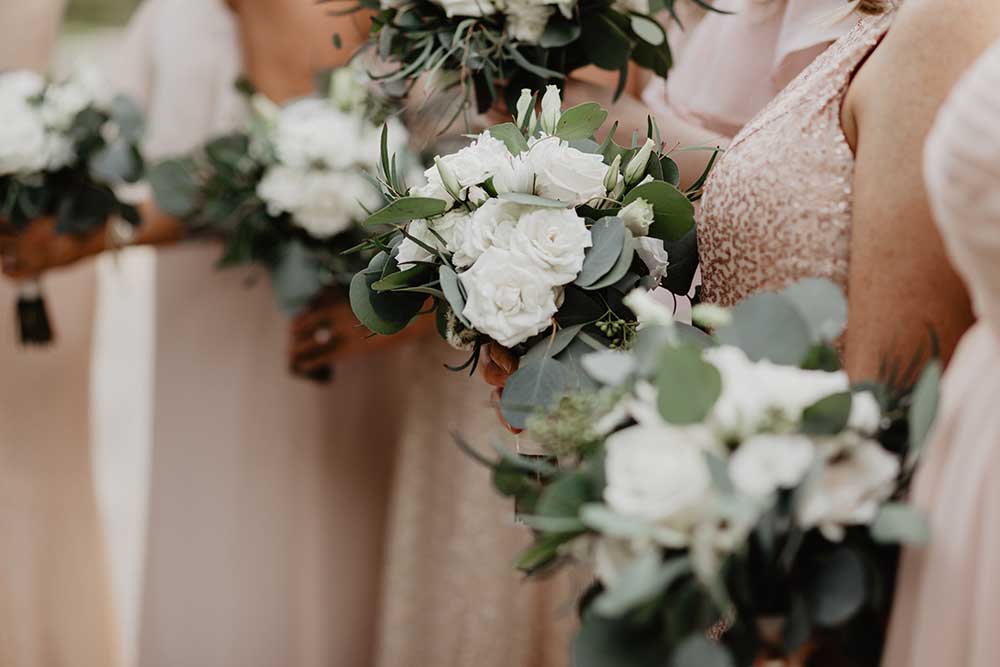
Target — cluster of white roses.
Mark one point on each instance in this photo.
(324, 152)
(526, 19)
(37, 116)
(515, 258)
(660, 474)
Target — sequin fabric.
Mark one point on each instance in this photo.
(777, 207)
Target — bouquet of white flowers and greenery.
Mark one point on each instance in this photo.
(529, 238)
(64, 146)
(288, 191)
(481, 44)
(739, 499)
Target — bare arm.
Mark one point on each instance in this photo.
(901, 283)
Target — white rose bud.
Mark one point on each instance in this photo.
(637, 216)
(614, 173)
(637, 165)
(264, 108)
(448, 178)
(551, 109)
(711, 316)
(525, 109)
(648, 310)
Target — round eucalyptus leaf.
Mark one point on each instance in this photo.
(608, 237)
(550, 346)
(621, 267)
(609, 367)
(559, 31)
(822, 305)
(673, 212)
(923, 410)
(535, 385)
(382, 312)
(687, 385)
(838, 588)
(174, 187)
(699, 651)
(648, 30)
(827, 416)
(297, 278)
(565, 496)
(897, 523)
(116, 163)
(768, 326)
(642, 580)
(609, 642)
(511, 135)
(581, 121)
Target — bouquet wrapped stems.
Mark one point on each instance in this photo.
(34, 326)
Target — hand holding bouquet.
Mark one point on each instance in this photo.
(529, 238)
(64, 147)
(737, 486)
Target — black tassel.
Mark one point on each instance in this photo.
(32, 316)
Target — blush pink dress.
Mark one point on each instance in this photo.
(55, 595)
(777, 207)
(947, 609)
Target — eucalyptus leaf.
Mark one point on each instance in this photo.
(822, 305)
(600, 518)
(512, 137)
(642, 580)
(382, 312)
(608, 237)
(768, 326)
(688, 386)
(535, 385)
(648, 30)
(559, 31)
(609, 367)
(116, 163)
(898, 523)
(129, 118)
(612, 642)
(838, 589)
(175, 187)
(406, 209)
(452, 289)
(550, 346)
(399, 279)
(828, 416)
(923, 410)
(581, 121)
(620, 268)
(297, 278)
(673, 212)
(565, 496)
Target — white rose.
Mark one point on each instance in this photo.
(866, 413)
(766, 463)
(492, 225)
(450, 227)
(564, 173)
(23, 140)
(473, 165)
(638, 216)
(659, 474)
(859, 476)
(64, 100)
(312, 132)
(324, 203)
(653, 255)
(555, 240)
(466, 7)
(756, 395)
(20, 85)
(526, 21)
(508, 298)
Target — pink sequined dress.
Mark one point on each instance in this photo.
(947, 608)
(778, 206)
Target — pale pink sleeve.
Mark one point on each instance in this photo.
(962, 169)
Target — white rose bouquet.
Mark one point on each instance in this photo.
(530, 237)
(287, 192)
(64, 146)
(737, 486)
(480, 44)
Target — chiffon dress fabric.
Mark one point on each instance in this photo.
(451, 596)
(55, 596)
(778, 206)
(767, 43)
(266, 506)
(947, 606)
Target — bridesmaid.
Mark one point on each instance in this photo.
(266, 499)
(451, 596)
(948, 602)
(827, 181)
(55, 595)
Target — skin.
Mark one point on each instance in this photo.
(901, 281)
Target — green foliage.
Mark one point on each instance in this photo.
(688, 386)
